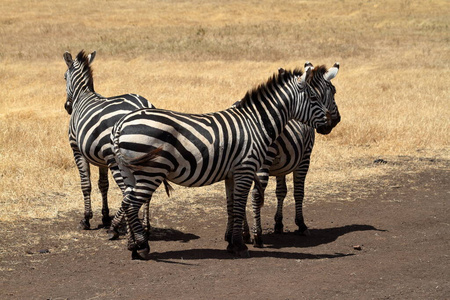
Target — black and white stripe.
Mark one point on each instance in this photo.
(200, 149)
(291, 153)
(91, 121)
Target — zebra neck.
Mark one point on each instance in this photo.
(85, 97)
(270, 117)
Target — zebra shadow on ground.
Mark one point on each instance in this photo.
(273, 242)
(222, 254)
(318, 236)
(170, 234)
(164, 234)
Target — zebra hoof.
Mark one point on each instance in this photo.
(241, 251)
(230, 248)
(247, 238)
(141, 253)
(84, 225)
(228, 237)
(244, 253)
(257, 241)
(147, 232)
(278, 228)
(304, 232)
(113, 234)
(106, 221)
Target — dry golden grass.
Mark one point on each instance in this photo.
(201, 56)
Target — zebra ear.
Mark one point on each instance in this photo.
(332, 72)
(281, 71)
(68, 58)
(91, 57)
(304, 77)
(308, 65)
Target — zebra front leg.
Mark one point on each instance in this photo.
(103, 185)
(299, 192)
(257, 228)
(229, 186)
(241, 190)
(281, 191)
(257, 203)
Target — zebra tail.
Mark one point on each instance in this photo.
(168, 187)
(260, 189)
(137, 163)
(145, 159)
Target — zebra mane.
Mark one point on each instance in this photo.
(276, 79)
(316, 72)
(86, 69)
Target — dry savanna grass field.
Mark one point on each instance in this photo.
(201, 56)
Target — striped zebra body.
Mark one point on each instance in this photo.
(201, 149)
(291, 153)
(91, 121)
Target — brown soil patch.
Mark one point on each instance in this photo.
(390, 243)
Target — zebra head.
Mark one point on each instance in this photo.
(320, 81)
(78, 77)
(306, 106)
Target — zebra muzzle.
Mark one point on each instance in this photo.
(329, 119)
(68, 107)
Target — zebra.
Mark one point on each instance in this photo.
(291, 153)
(194, 150)
(92, 117)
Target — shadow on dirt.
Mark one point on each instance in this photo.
(317, 237)
(169, 234)
(273, 241)
(197, 254)
(163, 234)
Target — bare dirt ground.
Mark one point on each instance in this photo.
(401, 224)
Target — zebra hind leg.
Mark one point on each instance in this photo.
(299, 192)
(139, 247)
(138, 251)
(281, 191)
(103, 185)
(140, 194)
(85, 178)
